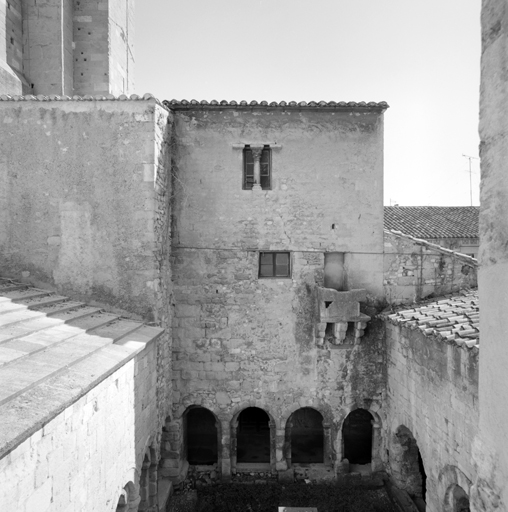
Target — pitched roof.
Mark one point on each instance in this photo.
(286, 105)
(52, 352)
(455, 318)
(433, 221)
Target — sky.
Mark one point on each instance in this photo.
(420, 56)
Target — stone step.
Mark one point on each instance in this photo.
(117, 329)
(74, 313)
(24, 294)
(44, 301)
(144, 334)
(94, 320)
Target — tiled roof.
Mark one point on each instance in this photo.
(286, 105)
(52, 351)
(99, 97)
(433, 221)
(455, 319)
(469, 260)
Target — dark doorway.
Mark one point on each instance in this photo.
(306, 436)
(201, 437)
(357, 437)
(460, 500)
(253, 436)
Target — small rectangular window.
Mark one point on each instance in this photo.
(265, 168)
(248, 168)
(274, 264)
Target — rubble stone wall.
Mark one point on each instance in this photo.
(432, 391)
(413, 271)
(84, 457)
(240, 340)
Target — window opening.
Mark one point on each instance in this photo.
(257, 167)
(274, 264)
(201, 437)
(307, 437)
(357, 437)
(253, 437)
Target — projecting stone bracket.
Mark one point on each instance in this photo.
(342, 311)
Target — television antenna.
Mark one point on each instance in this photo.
(470, 174)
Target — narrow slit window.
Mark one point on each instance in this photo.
(274, 264)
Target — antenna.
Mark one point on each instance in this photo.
(470, 173)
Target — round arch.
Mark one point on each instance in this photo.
(454, 489)
(373, 409)
(236, 435)
(202, 436)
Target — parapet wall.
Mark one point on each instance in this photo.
(83, 198)
(415, 269)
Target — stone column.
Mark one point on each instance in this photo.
(327, 444)
(377, 463)
(224, 449)
(256, 155)
(273, 446)
(233, 445)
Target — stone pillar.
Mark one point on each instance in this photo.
(233, 444)
(225, 451)
(327, 444)
(273, 446)
(256, 155)
(377, 463)
(282, 447)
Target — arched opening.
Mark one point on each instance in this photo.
(122, 503)
(457, 500)
(407, 466)
(307, 436)
(144, 480)
(253, 436)
(201, 441)
(357, 437)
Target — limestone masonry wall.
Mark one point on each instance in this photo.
(239, 340)
(85, 457)
(413, 271)
(432, 391)
(78, 209)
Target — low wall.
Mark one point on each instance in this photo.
(432, 392)
(415, 269)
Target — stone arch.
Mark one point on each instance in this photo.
(376, 463)
(128, 499)
(235, 429)
(406, 463)
(148, 480)
(202, 436)
(316, 437)
(454, 489)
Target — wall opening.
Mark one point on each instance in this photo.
(253, 436)
(144, 504)
(357, 437)
(201, 437)
(406, 464)
(122, 503)
(457, 499)
(306, 436)
(334, 272)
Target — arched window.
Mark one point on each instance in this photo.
(253, 436)
(307, 436)
(357, 437)
(457, 499)
(201, 436)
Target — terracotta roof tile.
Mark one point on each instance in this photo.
(311, 105)
(454, 318)
(433, 221)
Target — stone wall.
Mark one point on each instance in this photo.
(433, 392)
(415, 269)
(85, 457)
(490, 451)
(240, 340)
(79, 209)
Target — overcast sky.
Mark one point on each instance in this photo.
(421, 56)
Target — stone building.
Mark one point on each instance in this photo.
(225, 267)
(452, 227)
